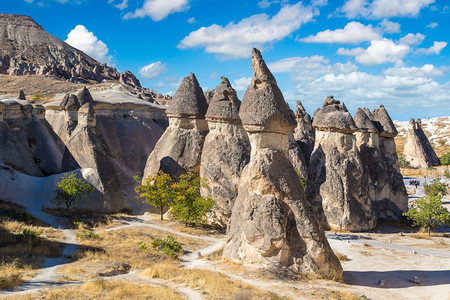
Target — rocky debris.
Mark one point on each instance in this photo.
(21, 96)
(225, 153)
(391, 198)
(271, 223)
(301, 143)
(336, 186)
(49, 55)
(180, 147)
(418, 150)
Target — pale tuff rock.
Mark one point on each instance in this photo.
(418, 151)
(336, 185)
(271, 223)
(301, 143)
(381, 170)
(225, 153)
(179, 148)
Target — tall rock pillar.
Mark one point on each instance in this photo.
(271, 223)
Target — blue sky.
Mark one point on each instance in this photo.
(364, 52)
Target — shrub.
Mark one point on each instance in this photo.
(188, 205)
(36, 96)
(87, 235)
(402, 162)
(302, 179)
(32, 236)
(168, 245)
(435, 188)
(142, 245)
(22, 216)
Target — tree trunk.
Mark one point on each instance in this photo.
(429, 231)
(162, 213)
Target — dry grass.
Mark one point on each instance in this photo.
(213, 285)
(216, 255)
(102, 289)
(123, 246)
(341, 257)
(327, 294)
(20, 251)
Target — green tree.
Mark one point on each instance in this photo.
(435, 188)
(72, 188)
(157, 191)
(188, 205)
(428, 212)
(445, 159)
(402, 162)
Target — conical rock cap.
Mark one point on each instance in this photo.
(224, 104)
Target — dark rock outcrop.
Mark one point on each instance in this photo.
(271, 223)
(225, 153)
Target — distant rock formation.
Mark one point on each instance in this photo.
(335, 181)
(418, 151)
(271, 224)
(179, 148)
(49, 55)
(389, 192)
(225, 153)
(301, 143)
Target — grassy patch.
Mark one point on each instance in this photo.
(102, 289)
(213, 285)
(341, 257)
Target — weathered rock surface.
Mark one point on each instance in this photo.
(49, 55)
(301, 143)
(179, 148)
(418, 151)
(336, 185)
(391, 198)
(225, 153)
(271, 223)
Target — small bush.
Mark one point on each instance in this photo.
(142, 245)
(22, 216)
(30, 233)
(36, 96)
(302, 179)
(87, 235)
(402, 161)
(168, 246)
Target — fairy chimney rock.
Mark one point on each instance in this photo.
(84, 96)
(86, 115)
(333, 116)
(21, 96)
(383, 123)
(224, 105)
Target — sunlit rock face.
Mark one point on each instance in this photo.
(271, 223)
(418, 151)
(180, 147)
(336, 185)
(225, 153)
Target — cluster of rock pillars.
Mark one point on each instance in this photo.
(251, 153)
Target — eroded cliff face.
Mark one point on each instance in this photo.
(180, 147)
(271, 223)
(418, 151)
(226, 151)
(336, 186)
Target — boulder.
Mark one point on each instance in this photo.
(179, 148)
(225, 153)
(336, 185)
(21, 96)
(418, 150)
(271, 224)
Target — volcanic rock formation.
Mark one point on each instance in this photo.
(271, 223)
(391, 198)
(49, 55)
(418, 151)
(335, 181)
(180, 147)
(301, 142)
(225, 153)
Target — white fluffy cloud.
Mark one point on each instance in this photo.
(158, 9)
(352, 33)
(86, 41)
(153, 70)
(235, 40)
(379, 52)
(397, 88)
(412, 39)
(433, 25)
(390, 27)
(192, 20)
(435, 49)
(378, 9)
(241, 84)
(120, 4)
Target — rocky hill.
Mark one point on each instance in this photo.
(27, 49)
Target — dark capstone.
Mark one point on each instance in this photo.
(383, 122)
(334, 116)
(70, 102)
(189, 99)
(21, 96)
(363, 122)
(224, 104)
(85, 97)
